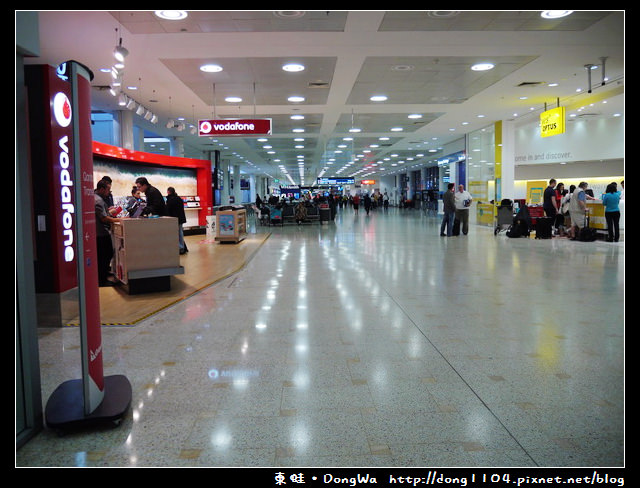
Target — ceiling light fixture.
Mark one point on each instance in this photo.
(120, 52)
(293, 67)
(210, 68)
(296, 99)
(171, 14)
(482, 66)
(555, 14)
(378, 98)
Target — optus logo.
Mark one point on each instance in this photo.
(62, 109)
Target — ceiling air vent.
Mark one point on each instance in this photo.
(531, 83)
(318, 84)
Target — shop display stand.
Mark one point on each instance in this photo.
(138, 269)
(65, 407)
(231, 225)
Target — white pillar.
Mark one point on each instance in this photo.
(126, 129)
(508, 159)
(177, 147)
(226, 182)
(237, 193)
(252, 188)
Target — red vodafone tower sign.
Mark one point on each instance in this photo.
(234, 127)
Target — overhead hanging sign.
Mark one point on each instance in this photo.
(552, 122)
(234, 127)
(335, 181)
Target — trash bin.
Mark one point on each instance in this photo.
(325, 214)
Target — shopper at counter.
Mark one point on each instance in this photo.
(611, 202)
(578, 208)
(155, 202)
(103, 232)
(175, 208)
(549, 202)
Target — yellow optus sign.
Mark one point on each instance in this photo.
(552, 122)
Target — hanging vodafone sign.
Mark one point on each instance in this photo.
(234, 127)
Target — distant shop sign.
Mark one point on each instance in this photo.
(234, 127)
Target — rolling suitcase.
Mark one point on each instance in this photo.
(456, 228)
(587, 234)
(544, 227)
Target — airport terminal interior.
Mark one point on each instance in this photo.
(367, 339)
(371, 341)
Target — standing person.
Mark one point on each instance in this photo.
(549, 203)
(367, 203)
(356, 202)
(611, 202)
(109, 199)
(559, 220)
(564, 209)
(449, 200)
(258, 202)
(175, 208)
(578, 208)
(385, 200)
(463, 202)
(133, 199)
(155, 202)
(103, 231)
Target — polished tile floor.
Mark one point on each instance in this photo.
(371, 341)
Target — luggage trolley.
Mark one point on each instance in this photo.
(504, 216)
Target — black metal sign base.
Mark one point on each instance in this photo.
(65, 407)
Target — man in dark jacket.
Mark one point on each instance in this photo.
(449, 208)
(175, 208)
(155, 202)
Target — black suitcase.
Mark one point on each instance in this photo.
(587, 234)
(544, 227)
(456, 228)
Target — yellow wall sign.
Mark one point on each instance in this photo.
(552, 122)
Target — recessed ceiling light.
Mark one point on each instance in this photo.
(378, 98)
(293, 67)
(482, 66)
(171, 14)
(233, 99)
(296, 98)
(555, 14)
(210, 68)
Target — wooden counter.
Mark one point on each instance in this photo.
(146, 253)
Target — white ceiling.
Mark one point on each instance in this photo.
(420, 59)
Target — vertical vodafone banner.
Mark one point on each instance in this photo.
(76, 112)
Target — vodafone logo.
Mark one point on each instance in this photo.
(62, 109)
(234, 127)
